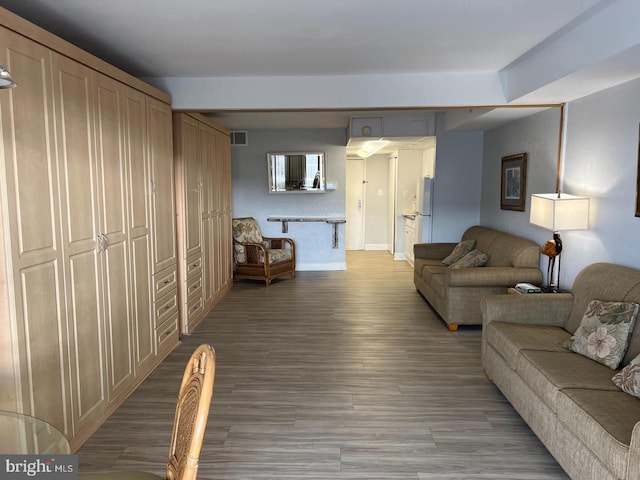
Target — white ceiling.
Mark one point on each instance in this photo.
(241, 42)
(203, 38)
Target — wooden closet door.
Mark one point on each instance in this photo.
(78, 183)
(35, 306)
(208, 217)
(113, 226)
(134, 111)
(163, 213)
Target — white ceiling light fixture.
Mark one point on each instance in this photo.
(371, 147)
(5, 78)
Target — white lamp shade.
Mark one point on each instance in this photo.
(564, 212)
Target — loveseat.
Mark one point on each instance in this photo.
(455, 293)
(533, 350)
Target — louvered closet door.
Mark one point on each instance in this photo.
(32, 236)
(113, 226)
(73, 96)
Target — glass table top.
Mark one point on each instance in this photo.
(25, 435)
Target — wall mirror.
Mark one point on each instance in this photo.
(296, 172)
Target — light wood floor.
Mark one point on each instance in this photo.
(332, 375)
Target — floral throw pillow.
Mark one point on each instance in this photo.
(475, 258)
(603, 334)
(459, 251)
(246, 230)
(628, 379)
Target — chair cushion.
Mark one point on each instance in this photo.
(246, 230)
(278, 255)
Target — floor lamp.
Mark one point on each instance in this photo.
(556, 212)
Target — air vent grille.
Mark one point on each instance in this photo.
(239, 138)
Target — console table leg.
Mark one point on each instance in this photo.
(335, 235)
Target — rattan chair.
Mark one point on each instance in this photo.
(189, 424)
(260, 258)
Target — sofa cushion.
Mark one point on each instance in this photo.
(603, 334)
(547, 373)
(475, 258)
(628, 379)
(459, 251)
(603, 420)
(509, 338)
(429, 270)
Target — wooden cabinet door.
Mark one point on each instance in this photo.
(135, 138)
(35, 378)
(208, 218)
(160, 148)
(113, 226)
(78, 183)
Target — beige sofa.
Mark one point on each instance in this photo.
(570, 402)
(456, 293)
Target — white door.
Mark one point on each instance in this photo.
(354, 227)
(391, 231)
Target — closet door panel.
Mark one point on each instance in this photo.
(160, 144)
(134, 110)
(78, 179)
(34, 265)
(191, 184)
(87, 348)
(112, 191)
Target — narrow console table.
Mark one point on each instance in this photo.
(335, 221)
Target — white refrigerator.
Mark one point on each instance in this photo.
(424, 206)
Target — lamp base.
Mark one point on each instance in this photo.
(552, 289)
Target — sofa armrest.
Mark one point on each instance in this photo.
(633, 461)
(551, 309)
(491, 276)
(436, 251)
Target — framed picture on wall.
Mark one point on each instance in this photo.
(514, 182)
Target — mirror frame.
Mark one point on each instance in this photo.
(305, 188)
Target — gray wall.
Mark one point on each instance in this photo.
(537, 136)
(251, 197)
(600, 162)
(457, 182)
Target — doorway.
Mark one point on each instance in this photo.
(354, 228)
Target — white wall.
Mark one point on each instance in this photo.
(601, 162)
(457, 183)
(251, 198)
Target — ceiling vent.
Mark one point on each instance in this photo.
(239, 138)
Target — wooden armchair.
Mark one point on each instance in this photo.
(192, 411)
(260, 258)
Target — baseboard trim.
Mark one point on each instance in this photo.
(310, 267)
(399, 256)
(376, 246)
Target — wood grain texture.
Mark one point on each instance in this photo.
(332, 375)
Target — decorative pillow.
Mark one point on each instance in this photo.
(628, 379)
(239, 253)
(246, 230)
(459, 251)
(475, 258)
(603, 334)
